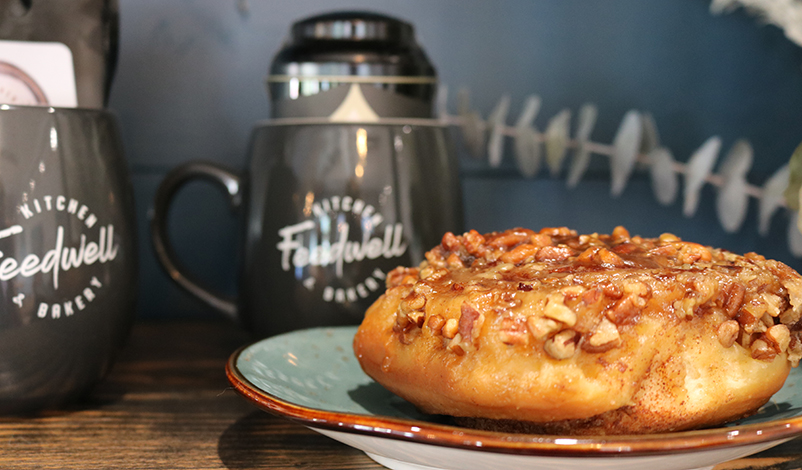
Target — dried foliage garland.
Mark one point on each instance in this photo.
(636, 145)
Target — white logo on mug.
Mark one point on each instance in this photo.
(338, 250)
(59, 259)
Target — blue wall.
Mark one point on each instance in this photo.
(189, 85)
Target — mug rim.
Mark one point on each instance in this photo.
(55, 109)
(323, 121)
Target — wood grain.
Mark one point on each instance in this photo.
(167, 405)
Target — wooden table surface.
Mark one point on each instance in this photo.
(167, 405)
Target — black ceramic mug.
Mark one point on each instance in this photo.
(67, 253)
(329, 209)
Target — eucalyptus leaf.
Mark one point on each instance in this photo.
(650, 139)
(794, 179)
(585, 124)
(528, 151)
(473, 132)
(495, 145)
(794, 236)
(529, 113)
(527, 140)
(626, 145)
(665, 181)
(772, 198)
(738, 160)
(499, 114)
(557, 136)
(697, 170)
(732, 202)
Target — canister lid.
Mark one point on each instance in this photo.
(338, 51)
(354, 26)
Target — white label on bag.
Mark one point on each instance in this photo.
(37, 74)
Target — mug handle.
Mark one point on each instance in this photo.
(174, 180)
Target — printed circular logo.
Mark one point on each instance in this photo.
(67, 250)
(340, 232)
(17, 87)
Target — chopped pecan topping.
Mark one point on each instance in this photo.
(603, 338)
(734, 299)
(436, 323)
(417, 318)
(620, 234)
(455, 345)
(625, 309)
(774, 304)
(728, 333)
(688, 252)
(415, 301)
(401, 276)
(540, 328)
(562, 345)
(780, 336)
(513, 331)
(762, 351)
(566, 291)
(557, 310)
(467, 320)
(554, 253)
(450, 328)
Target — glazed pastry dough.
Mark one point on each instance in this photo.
(554, 332)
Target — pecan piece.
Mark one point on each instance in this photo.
(540, 328)
(689, 253)
(562, 345)
(774, 304)
(416, 318)
(554, 253)
(455, 345)
(415, 300)
(454, 261)
(436, 324)
(558, 232)
(510, 238)
(519, 254)
(620, 234)
(600, 256)
(450, 328)
(401, 276)
(669, 238)
(513, 331)
(557, 310)
(728, 332)
(762, 351)
(734, 299)
(603, 338)
(625, 309)
(468, 315)
(450, 242)
(780, 336)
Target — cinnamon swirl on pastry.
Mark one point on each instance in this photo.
(555, 332)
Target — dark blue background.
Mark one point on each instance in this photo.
(189, 85)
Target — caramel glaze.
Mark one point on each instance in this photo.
(584, 334)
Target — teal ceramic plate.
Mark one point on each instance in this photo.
(312, 377)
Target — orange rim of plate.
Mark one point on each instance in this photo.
(445, 435)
